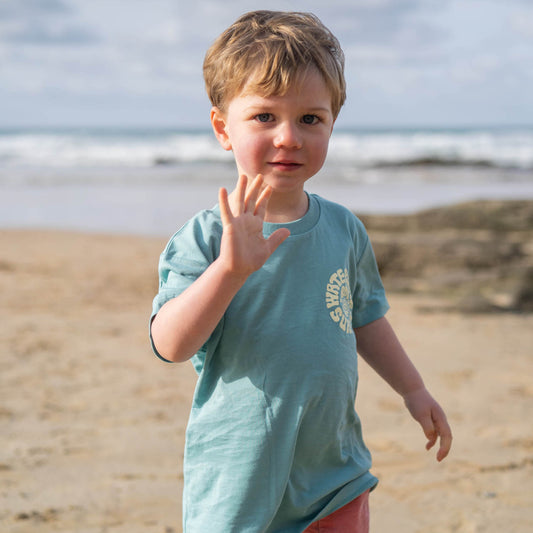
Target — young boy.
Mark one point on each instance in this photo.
(272, 293)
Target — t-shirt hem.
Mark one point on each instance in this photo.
(348, 494)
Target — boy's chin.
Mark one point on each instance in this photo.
(286, 184)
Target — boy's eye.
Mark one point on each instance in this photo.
(309, 119)
(263, 117)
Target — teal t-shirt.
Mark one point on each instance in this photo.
(273, 441)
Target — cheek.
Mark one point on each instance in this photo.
(319, 151)
(248, 154)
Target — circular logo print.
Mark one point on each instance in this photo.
(339, 299)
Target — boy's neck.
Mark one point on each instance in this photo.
(284, 208)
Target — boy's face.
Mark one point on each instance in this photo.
(285, 138)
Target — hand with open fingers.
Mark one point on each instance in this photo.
(244, 248)
(429, 414)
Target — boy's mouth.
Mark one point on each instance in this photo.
(285, 164)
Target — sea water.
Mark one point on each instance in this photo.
(150, 181)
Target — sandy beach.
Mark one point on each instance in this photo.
(92, 423)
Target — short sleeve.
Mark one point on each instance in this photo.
(187, 255)
(369, 299)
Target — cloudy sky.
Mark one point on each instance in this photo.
(138, 62)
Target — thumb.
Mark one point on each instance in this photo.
(277, 238)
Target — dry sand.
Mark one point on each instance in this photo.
(92, 424)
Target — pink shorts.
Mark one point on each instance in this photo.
(354, 517)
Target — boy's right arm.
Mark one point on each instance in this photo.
(184, 324)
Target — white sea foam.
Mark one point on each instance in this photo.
(504, 148)
(126, 150)
(512, 149)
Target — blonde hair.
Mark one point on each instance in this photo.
(267, 51)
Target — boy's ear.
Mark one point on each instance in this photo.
(218, 121)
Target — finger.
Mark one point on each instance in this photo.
(253, 193)
(431, 433)
(436, 427)
(445, 434)
(429, 430)
(262, 201)
(225, 210)
(240, 195)
(277, 238)
(445, 446)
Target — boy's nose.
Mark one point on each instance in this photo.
(287, 136)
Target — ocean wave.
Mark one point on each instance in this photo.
(498, 148)
(72, 149)
(505, 149)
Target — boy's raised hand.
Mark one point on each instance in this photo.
(243, 248)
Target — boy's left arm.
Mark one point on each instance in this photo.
(380, 348)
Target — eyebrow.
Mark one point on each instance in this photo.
(255, 107)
